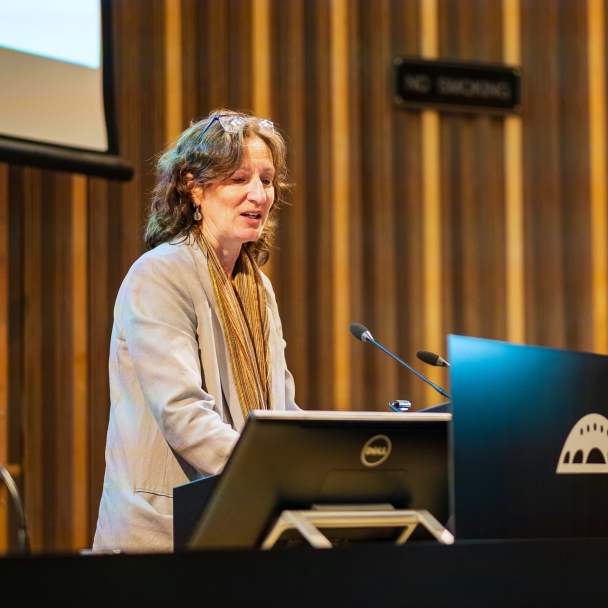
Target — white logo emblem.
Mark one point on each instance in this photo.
(376, 451)
(586, 448)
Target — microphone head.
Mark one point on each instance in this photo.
(432, 358)
(360, 331)
(427, 357)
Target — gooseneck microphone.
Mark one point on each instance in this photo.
(362, 333)
(432, 358)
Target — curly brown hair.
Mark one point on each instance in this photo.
(209, 154)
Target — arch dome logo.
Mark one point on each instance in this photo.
(586, 447)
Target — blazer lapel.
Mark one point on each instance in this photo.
(276, 348)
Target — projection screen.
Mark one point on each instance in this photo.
(52, 75)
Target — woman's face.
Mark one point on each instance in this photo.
(235, 210)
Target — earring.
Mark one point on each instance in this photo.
(197, 215)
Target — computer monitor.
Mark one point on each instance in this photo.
(530, 436)
(294, 460)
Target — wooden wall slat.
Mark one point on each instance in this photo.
(431, 193)
(473, 184)
(174, 49)
(575, 184)
(260, 52)
(239, 59)
(4, 349)
(58, 341)
(173, 69)
(357, 128)
(543, 223)
(16, 316)
(596, 49)
(319, 183)
(291, 276)
(193, 47)
(100, 312)
(409, 212)
(214, 81)
(31, 198)
(341, 187)
(371, 360)
(380, 143)
(513, 179)
(80, 364)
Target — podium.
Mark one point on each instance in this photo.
(522, 414)
(357, 476)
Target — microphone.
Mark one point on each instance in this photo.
(362, 333)
(432, 358)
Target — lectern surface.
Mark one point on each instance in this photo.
(293, 460)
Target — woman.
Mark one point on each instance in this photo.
(197, 341)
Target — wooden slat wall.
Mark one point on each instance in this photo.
(415, 224)
(4, 291)
(596, 50)
(513, 181)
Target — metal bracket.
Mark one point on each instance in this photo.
(367, 516)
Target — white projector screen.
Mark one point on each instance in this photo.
(50, 69)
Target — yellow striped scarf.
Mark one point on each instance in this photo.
(244, 315)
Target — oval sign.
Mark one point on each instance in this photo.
(376, 451)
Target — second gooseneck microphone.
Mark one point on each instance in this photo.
(431, 358)
(362, 333)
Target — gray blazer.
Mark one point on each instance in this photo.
(175, 414)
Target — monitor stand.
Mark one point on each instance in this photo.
(307, 523)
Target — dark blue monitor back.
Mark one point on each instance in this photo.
(530, 441)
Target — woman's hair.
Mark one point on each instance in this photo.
(209, 156)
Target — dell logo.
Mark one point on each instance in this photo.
(376, 451)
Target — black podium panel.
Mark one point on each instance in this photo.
(189, 502)
(522, 416)
(534, 573)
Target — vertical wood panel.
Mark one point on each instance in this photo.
(544, 289)
(472, 166)
(141, 90)
(290, 256)
(100, 312)
(130, 20)
(32, 353)
(341, 195)
(357, 129)
(191, 50)
(225, 55)
(80, 359)
(575, 183)
(597, 153)
(260, 51)
(215, 79)
(431, 192)
(261, 74)
(319, 183)
(409, 212)
(57, 351)
(376, 229)
(516, 319)
(380, 143)
(4, 351)
(173, 69)
(239, 59)
(490, 190)
(16, 315)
